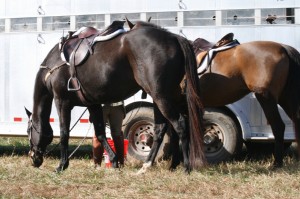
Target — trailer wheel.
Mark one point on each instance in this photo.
(222, 138)
(139, 130)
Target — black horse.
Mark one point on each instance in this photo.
(148, 58)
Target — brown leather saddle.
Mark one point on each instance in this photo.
(201, 44)
(76, 48)
(81, 44)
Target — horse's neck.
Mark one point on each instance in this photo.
(42, 103)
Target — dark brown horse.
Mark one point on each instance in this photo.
(148, 58)
(270, 70)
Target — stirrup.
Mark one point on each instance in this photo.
(75, 87)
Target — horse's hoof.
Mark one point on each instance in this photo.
(276, 166)
(115, 164)
(188, 170)
(58, 170)
(141, 171)
(172, 167)
(144, 168)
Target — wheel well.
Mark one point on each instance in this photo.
(138, 104)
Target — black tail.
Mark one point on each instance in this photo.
(294, 88)
(195, 107)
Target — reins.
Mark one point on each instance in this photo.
(69, 132)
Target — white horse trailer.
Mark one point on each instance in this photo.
(29, 30)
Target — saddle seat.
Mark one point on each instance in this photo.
(205, 51)
(201, 44)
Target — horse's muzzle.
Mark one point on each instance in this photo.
(37, 158)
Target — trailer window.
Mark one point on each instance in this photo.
(23, 24)
(56, 23)
(96, 21)
(199, 18)
(277, 16)
(238, 17)
(133, 17)
(163, 19)
(2, 25)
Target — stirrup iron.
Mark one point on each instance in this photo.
(76, 84)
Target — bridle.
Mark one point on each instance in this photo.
(34, 146)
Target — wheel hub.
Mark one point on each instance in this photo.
(213, 139)
(141, 137)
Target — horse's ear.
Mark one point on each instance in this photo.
(28, 112)
(131, 25)
(149, 19)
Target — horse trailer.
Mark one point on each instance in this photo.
(28, 32)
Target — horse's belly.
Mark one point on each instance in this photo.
(217, 90)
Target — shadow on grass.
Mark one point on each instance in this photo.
(263, 151)
(53, 150)
(20, 147)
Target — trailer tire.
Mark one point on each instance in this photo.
(222, 139)
(139, 130)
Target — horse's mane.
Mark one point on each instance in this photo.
(150, 25)
(50, 59)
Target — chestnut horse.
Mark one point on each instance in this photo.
(270, 70)
(148, 58)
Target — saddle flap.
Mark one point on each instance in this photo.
(81, 53)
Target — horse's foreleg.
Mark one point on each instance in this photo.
(269, 106)
(64, 146)
(96, 117)
(64, 112)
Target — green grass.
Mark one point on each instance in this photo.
(243, 178)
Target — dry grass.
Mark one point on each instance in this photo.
(239, 179)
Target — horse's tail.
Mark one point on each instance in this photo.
(293, 85)
(195, 107)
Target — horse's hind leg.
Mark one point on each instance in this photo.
(96, 117)
(175, 150)
(269, 106)
(160, 128)
(179, 124)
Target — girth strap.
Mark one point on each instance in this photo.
(75, 82)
